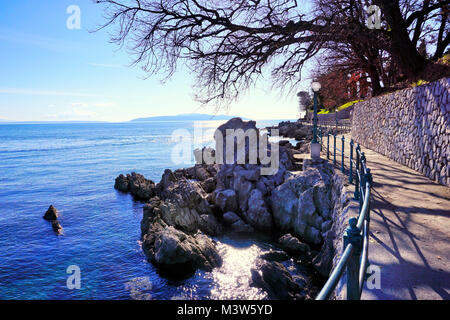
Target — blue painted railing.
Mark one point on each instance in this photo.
(354, 260)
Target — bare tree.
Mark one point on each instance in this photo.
(230, 44)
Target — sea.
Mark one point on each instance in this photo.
(73, 166)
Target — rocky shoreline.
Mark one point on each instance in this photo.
(295, 206)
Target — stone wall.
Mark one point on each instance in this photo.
(341, 115)
(410, 126)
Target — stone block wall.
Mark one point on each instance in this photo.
(410, 126)
(341, 115)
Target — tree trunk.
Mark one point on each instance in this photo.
(402, 48)
(374, 79)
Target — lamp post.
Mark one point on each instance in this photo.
(315, 146)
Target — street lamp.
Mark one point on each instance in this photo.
(315, 146)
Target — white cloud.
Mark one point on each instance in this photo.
(82, 111)
(74, 114)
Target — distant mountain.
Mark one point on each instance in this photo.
(48, 122)
(187, 117)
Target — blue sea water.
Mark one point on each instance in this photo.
(73, 167)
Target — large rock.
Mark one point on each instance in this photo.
(174, 252)
(209, 185)
(201, 173)
(248, 127)
(182, 218)
(303, 203)
(137, 185)
(184, 193)
(275, 280)
(241, 227)
(242, 187)
(184, 204)
(226, 200)
(230, 217)
(304, 132)
(257, 214)
(334, 229)
(178, 253)
(210, 225)
(236, 224)
(295, 130)
(121, 183)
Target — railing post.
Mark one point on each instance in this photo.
(320, 135)
(334, 150)
(356, 194)
(328, 145)
(343, 151)
(363, 162)
(363, 176)
(358, 149)
(358, 152)
(350, 175)
(368, 178)
(352, 236)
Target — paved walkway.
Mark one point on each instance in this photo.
(410, 232)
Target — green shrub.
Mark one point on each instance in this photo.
(348, 104)
(419, 83)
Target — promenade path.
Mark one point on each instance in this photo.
(409, 231)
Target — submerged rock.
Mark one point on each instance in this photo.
(276, 256)
(292, 245)
(56, 226)
(51, 214)
(236, 224)
(230, 217)
(275, 280)
(241, 227)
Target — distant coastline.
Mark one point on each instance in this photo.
(187, 117)
(180, 117)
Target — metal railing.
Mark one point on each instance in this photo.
(332, 125)
(354, 259)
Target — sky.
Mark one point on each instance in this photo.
(49, 72)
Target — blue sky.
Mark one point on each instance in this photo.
(51, 73)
